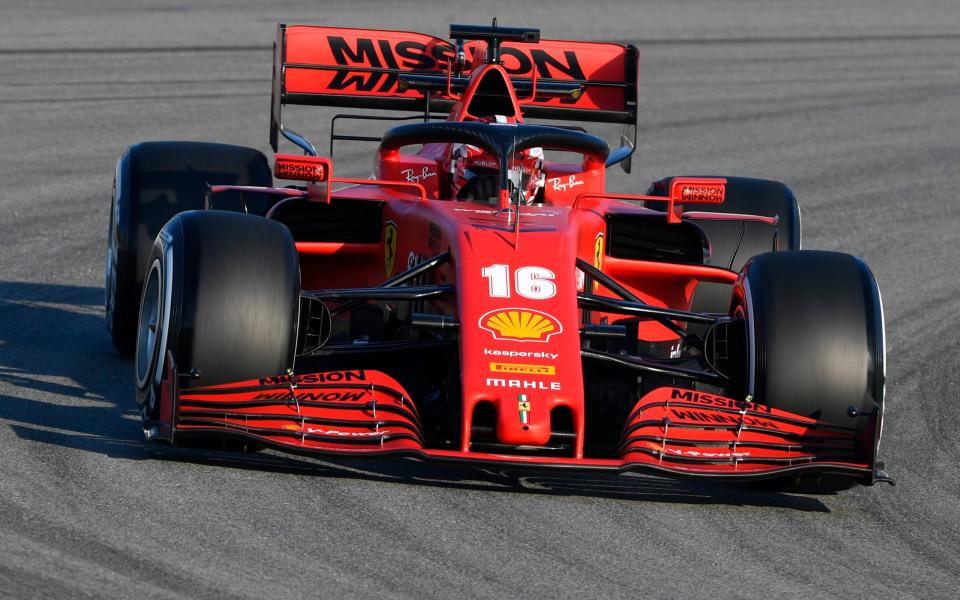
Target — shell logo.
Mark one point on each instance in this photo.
(520, 325)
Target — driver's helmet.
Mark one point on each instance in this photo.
(474, 174)
(526, 174)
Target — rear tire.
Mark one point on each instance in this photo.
(222, 294)
(153, 182)
(733, 243)
(815, 339)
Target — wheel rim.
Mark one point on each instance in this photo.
(110, 285)
(149, 324)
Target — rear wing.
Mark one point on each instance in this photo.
(337, 66)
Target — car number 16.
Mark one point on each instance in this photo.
(535, 283)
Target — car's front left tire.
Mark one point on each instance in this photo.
(222, 296)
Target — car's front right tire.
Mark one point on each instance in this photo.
(815, 345)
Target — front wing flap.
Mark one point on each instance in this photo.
(670, 430)
(695, 432)
(337, 411)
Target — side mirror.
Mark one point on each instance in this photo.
(698, 190)
(302, 168)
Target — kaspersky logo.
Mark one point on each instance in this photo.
(520, 325)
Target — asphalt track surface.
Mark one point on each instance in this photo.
(857, 108)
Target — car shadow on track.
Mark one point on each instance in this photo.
(631, 487)
(61, 382)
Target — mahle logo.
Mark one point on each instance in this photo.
(520, 325)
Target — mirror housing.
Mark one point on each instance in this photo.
(699, 190)
(302, 168)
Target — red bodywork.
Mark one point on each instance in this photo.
(516, 286)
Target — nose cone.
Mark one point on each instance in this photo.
(522, 424)
(520, 339)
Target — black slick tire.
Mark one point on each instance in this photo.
(153, 182)
(733, 243)
(222, 296)
(815, 338)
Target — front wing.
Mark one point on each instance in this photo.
(670, 430)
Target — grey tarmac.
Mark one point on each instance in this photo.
(853, 104)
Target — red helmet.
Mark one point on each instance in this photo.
(474, 174)
(526, 174)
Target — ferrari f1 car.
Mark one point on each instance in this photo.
(481, 298)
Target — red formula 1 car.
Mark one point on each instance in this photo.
(483, 300)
